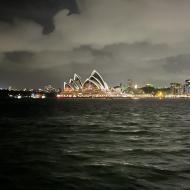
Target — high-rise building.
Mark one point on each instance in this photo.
(187, 87)
(175, 88)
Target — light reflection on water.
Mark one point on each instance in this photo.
(95, 144)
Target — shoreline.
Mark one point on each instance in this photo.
(100, 98)
(128, 98)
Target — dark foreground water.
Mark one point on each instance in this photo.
(94, 144)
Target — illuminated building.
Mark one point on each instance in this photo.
(77, 81)
(95, 82)
(74, 84)
(96, 76)
(68, 87)
(175, 88)
(94, 85)
(90, 85)
(187, 87)
(49, 88)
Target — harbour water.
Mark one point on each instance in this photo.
(94, 144)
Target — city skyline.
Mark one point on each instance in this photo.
(146, 40)
(95, 86)
(69, 80)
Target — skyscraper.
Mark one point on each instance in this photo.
(187, 87)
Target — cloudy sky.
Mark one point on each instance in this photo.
(47, 41)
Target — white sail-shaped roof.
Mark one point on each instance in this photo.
(95, 81)
(97, 75)
(67, 85)
(92, 82)
(74, 84)
(77, 80)
(92, 78)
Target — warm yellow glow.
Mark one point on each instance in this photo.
(160, 94)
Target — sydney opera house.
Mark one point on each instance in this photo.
(94, 86)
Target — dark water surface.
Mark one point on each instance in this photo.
(94, 144)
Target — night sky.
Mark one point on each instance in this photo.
(47, 41)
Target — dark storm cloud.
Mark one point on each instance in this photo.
(41, 11)
(123, 39)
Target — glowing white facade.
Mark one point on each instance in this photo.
(68, 87)
(94, 82)
(99, 78)
(77, 80)
(74, 84)
(97, 81)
